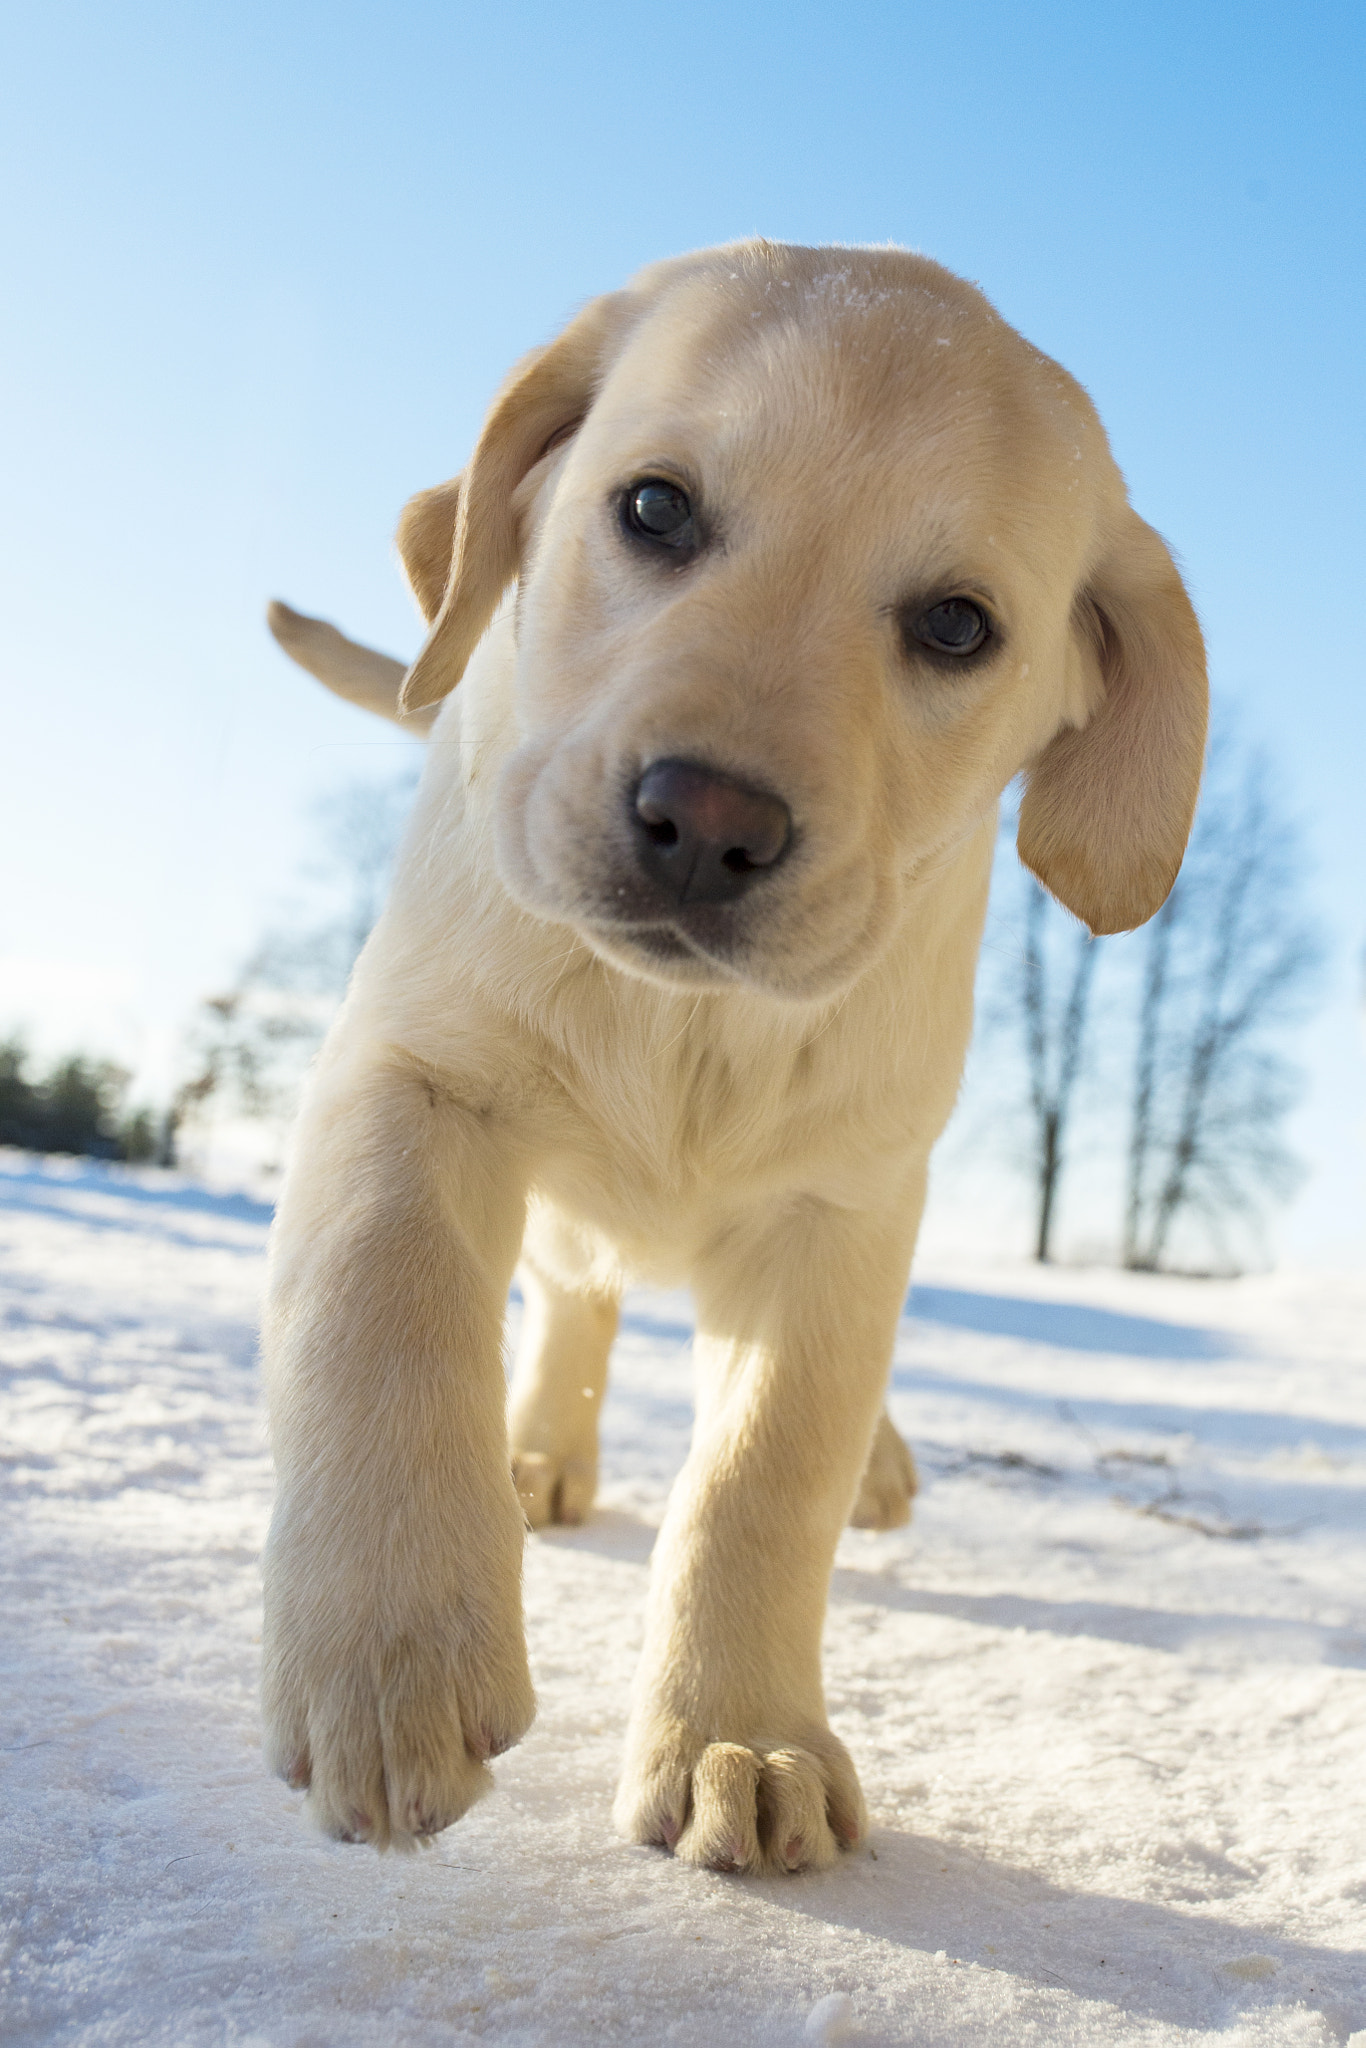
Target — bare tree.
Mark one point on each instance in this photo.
(1055, 1037)
(1157, 1059)
(1141, 1134)
(1229, 964)
(252, 1044)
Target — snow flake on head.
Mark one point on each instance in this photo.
(839, 288)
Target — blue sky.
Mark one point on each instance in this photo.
(265, 264)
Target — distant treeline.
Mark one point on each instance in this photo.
(78, 1106)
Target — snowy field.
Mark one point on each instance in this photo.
(1107, 1694)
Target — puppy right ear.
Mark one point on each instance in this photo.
(460, 543)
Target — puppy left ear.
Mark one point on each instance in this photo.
(461, 543)
(1107, 806)
(426, 543)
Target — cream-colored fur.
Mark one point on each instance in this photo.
(529, 1065)
(567, 1332)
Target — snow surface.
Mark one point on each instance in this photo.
(1108, 1693)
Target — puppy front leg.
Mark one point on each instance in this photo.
(730, 1760)
(394, 1661)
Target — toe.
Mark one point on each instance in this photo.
(844, 1802)
(286, 1728)
(346, 1795)
(723, 1829)
(553, 1488)
(652, 1806)
(792, 1810)
(574, 1495)
(430, 1776)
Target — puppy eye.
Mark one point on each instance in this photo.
(954, 626)
(660, 511)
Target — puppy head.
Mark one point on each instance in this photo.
(814, 554)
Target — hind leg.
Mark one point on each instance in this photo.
(889, 1483)
(558, 1382)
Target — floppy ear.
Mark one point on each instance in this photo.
(426, 543)
(460, 543)
(1107, 807)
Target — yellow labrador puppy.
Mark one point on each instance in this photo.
(812, 554)
(554, 1436)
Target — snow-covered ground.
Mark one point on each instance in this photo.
(1108, 1693)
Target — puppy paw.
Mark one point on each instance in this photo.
(763, 1809)
(552, 1488)
(889, 1482)
(391, 1743)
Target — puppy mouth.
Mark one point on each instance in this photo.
(662, 946)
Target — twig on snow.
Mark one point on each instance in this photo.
(1006, 1461)
(1173, 1507)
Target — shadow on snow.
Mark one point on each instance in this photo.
(924, 1894)
(47, 1190)
(1066, 1325)
(1248, 1637)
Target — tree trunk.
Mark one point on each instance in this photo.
(1140, 1129)
(1051, 1094)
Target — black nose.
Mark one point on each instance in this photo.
(702, 837)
